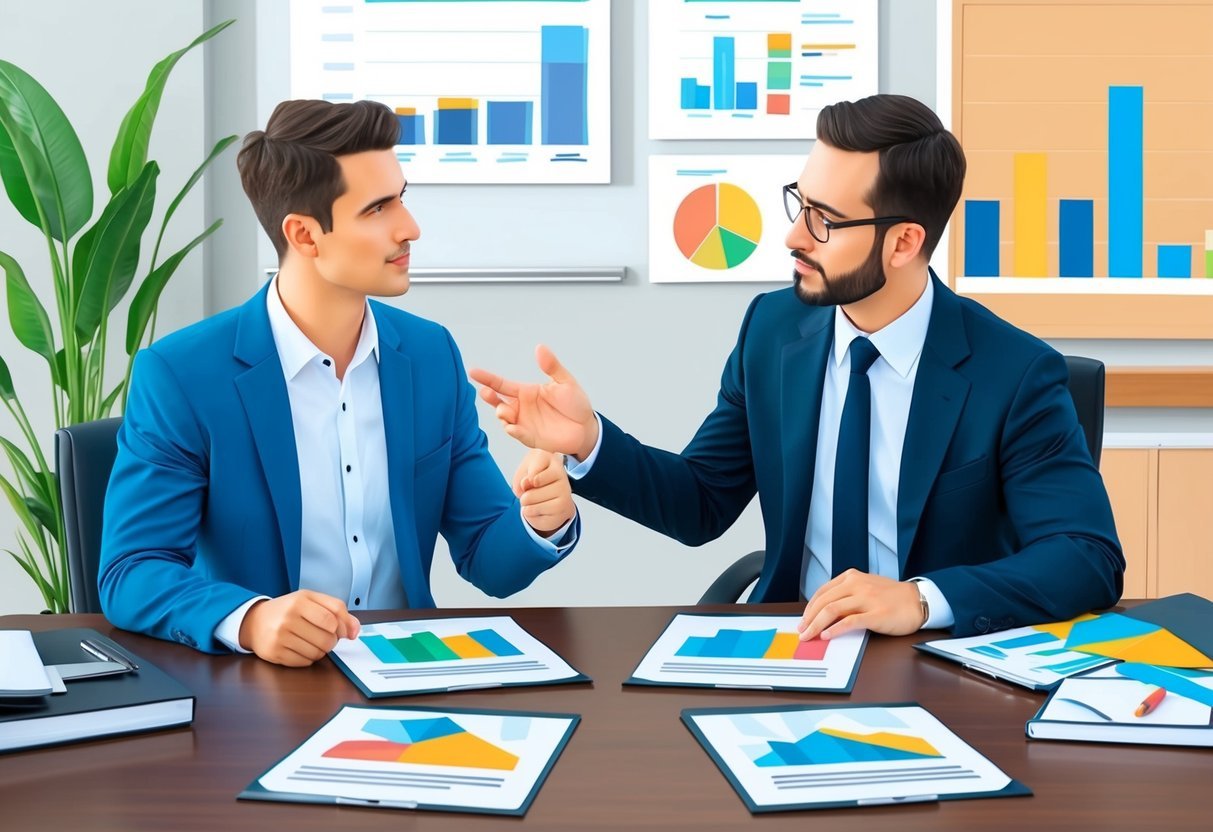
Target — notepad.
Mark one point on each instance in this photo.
(21, 671)
(1101, 706)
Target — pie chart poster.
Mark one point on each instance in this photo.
(719, 219)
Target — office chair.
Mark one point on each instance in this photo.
(1086, 387)
(84, 457)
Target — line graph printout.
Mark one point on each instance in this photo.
(750, 69)
(761, 651)
(494, 91)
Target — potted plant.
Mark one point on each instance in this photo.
(91, 269)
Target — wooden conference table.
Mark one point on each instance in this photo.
(630, 764)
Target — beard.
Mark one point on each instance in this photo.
(851, 287)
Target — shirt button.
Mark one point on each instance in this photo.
(357, 602)
(347, 469)
(328, 363)
(355, 538)
(343, 405)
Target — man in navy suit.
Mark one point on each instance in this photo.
(292, 460)
(918, 460)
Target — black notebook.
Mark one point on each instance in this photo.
(141, 700)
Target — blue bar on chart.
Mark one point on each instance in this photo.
(1077, 220)
(747, 95)
(456, 121)
(509, 122)
(564, 104)
(1174, 261)
(695, 96)
(723, 75)
(1125, 181)
(412, 126)
(981, 238)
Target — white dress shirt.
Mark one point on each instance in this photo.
(892, 381)
(348, 542)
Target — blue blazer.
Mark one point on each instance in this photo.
(203, 509)
(998, 502)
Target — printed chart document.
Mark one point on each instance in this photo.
(1035, 657)
(1130, 702)
(397, 658)
(421, 758)
(824, 757)
(749, 651)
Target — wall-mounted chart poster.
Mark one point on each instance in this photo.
(493, 91)
(719, 219)
(1088, 127)
(756, 69)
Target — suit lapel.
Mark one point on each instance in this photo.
(940, 392)
(262, 390)
(396, 394)
(801, 384)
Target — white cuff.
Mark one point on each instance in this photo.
(556, 545)
(228, 630)
(582, 468)
(940, 614)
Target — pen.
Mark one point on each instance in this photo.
(100, 651)
(1150, 702)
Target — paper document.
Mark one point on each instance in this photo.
(21, 670)
(759, 651)
(816, 756)
(438, 654)
(421, 758)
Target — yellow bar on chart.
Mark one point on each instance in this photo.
(458, 103)
(406, 111)
(467, 647)
(1031, 200)
(783, 646)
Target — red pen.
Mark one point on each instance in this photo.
(1150, 702)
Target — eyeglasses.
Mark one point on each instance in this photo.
(817, 223)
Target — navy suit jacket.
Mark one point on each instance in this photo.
(998, 503)
(203, 509)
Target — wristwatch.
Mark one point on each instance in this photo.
(922, 600)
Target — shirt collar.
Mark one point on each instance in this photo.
(296, 351)
(900, 342)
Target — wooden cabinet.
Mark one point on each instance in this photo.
(1162, 499)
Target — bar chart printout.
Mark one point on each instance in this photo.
(1099, 181)
(749, 651)
(494, 91)
(756, 70)
(788, 757)
(420, 758)
(426, 655)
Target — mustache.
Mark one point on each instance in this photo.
(808, 261)
(401, 253)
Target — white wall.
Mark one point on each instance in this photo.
(94, 59)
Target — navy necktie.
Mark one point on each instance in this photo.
(850, 534)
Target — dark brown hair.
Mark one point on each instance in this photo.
(290, 167)
(922, 166)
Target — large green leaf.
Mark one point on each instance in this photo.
(41, 161)
(7, 391)
(114, 251)
(219, 147)
(145, 300)
(130, 147)
(28, 317)
(33, 480)
(20, 508)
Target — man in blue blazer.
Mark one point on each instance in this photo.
(292, 460)
(918, 460)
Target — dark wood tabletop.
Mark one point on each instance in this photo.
(631, 764)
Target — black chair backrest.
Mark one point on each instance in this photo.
(84, 457)
(1087, 391)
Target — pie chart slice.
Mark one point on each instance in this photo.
(717, 226)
